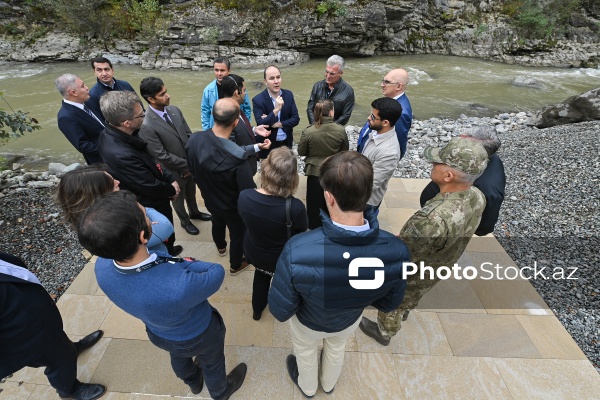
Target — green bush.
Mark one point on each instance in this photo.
(540, 19)
(331, 7)
(15, 123)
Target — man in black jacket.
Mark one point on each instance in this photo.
(491, 182)
(31, 333)
(334, 88)
(129, 160)
(220, 168)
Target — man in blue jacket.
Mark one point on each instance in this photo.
(324, 278)
(276, 107)
(170, 295)
(213, 92)
(393, 86)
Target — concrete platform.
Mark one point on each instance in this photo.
(469, 339)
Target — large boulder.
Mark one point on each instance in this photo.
(579, 108)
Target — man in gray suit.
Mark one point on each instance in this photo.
(166, 133)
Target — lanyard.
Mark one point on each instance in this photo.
(142, 268)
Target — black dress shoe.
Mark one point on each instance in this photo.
(292, 367)
(88, 341)
(201, 216)
(234, 381)
(191, 229)
(176, 251)
(197, 386)
(86, 391)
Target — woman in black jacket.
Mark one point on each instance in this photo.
(264, 213)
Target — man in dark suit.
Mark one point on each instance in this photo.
(393, 86)
(105, 82)
(31, 333)
(80, 125)
(129, 161)
(243, 134)
(276, 107)
(166, 132)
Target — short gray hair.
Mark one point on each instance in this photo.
(487, 136)
(336, 60)
(118, 106)
(64, 83)
(462, 177)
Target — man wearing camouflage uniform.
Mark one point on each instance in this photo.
(438, 233)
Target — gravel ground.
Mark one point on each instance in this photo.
(33, 230)
(549, 215)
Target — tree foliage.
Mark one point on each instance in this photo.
(15, 123)
(540, 19)
(106, 19)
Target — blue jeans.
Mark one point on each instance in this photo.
(208, 347)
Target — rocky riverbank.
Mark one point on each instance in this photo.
(549, 215)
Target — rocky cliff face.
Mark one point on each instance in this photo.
(470, 28)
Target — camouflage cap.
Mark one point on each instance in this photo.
(463, 154)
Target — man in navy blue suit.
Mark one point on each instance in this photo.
(276, 107)
(105, 82)
(80, 125)
(393, 85)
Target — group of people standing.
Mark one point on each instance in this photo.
(141, 160)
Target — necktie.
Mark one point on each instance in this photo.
(247, 123)
(91, 114)
(166, 117)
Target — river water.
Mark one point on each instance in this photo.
(439, 86)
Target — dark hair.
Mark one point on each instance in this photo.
(348, 176)
(230, 84)
(150, 86)
(80, 188)
(225, 112)
(100, 60)
(389, 109)
(267, 67)
(322, 109)
(279, 173)
(111, 227)
(222, 60)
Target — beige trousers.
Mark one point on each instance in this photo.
(306, 342)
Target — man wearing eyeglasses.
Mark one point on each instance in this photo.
(129, 161)
(382, 147)
(393, 86)
(334, 88)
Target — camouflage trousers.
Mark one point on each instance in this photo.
(390, 323)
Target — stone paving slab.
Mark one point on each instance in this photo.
(468, 339)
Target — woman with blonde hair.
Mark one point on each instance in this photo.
(80, 188)
(319, 141)
(271, 215)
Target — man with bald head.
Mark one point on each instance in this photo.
(393, 85)
(221, 171)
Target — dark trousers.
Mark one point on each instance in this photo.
(235, 224)
(187, 195)
(260, 291)
(60, 361)
(208, 347)
(165, 209)
(315, 201)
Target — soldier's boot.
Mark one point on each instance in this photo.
(371, 329)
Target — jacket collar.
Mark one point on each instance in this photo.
(351, 238)
(133, 139)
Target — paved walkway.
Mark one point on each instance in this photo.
(478, 339)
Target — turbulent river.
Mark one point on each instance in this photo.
(439, 86)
